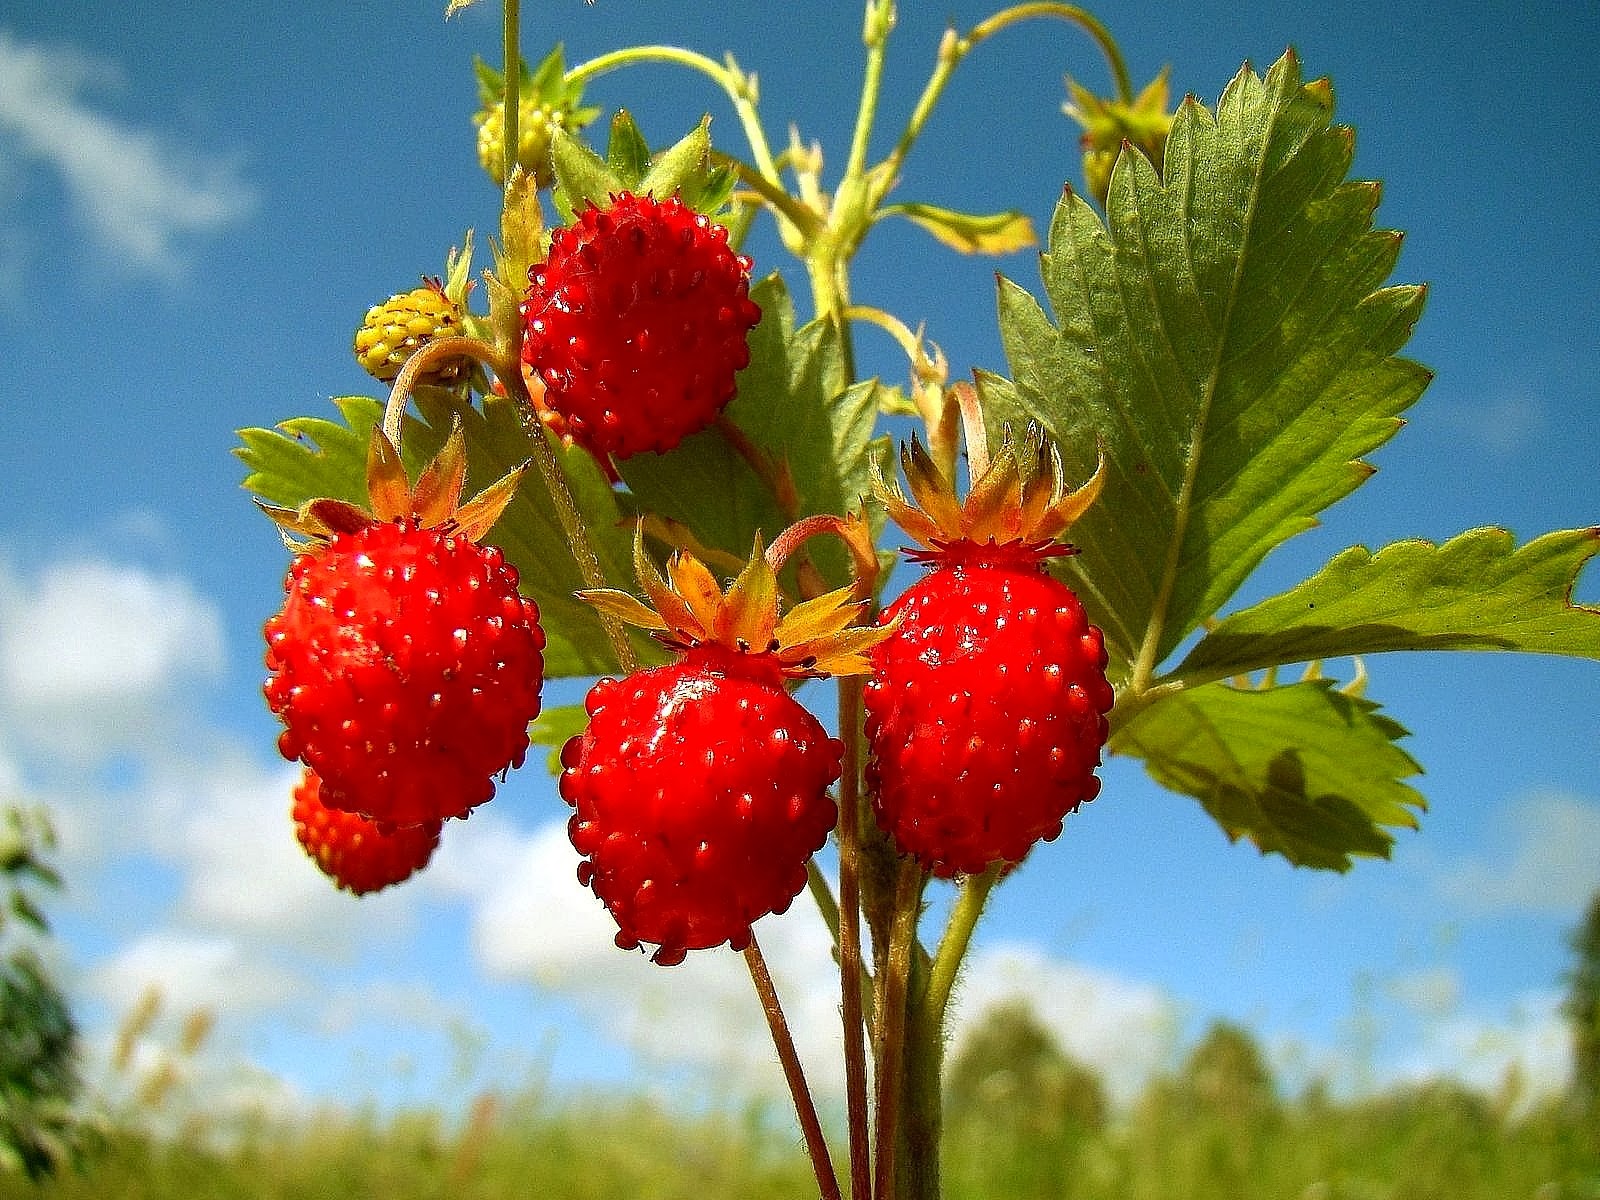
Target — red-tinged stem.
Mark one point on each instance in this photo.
(972, 426)
(428, 355)
(816, 1144)
(774, 475)
(853, 533)
(544, 458)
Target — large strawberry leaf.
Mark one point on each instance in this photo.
(1229, 341)
(310, 456)
(1478, 591)
(1303, 770)
(799, 444)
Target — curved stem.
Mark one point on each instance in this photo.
(734, 84)
(1080, 17)
(954, 48)
(427, 355)
(805, 1110)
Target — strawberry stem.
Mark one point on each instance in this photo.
(426, 355)
(851, 969)
(512, 37)
(892, 1023)
(952, 950)
(816, 1143)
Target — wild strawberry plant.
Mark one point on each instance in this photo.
(1216, 347)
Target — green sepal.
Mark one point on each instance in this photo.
(520, 247)
(627, 153)
(685, 169)
(1303, 770)
(969, 233)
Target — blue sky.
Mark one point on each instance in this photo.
(195, 212)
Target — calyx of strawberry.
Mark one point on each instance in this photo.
(689, 609)
(1016, 497)
(434, 500)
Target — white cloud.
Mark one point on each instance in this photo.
(1530, 1045)
(91, 652)
(193, 973)
(533, 921)
(138, 192)
(1124, 1030)
(1548, 860)
(1431, 992)
(225, 826)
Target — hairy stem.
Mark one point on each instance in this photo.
(851, 967)
(952, 950)
(816, 1144)
(893, 1024)
(512, 38)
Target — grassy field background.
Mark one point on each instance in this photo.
(1436, 1142)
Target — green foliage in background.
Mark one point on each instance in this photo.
(39, 1129)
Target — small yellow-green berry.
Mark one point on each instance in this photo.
(397, 328)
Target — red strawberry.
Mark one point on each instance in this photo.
(359, 855)
(636, 325)
(405, 664)
(701, 786)
(986, 708)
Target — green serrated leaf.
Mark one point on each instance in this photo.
(795, 411)
(1228, 339)
(310, 457)
(1478, 591)
(1303, 770)
(554, 727)
(990, 233)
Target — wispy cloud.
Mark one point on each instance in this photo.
(92, 652)
(1547, 862)
(138, 192)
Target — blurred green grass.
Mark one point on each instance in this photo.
(1433, 1142)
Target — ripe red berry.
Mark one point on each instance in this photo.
(701, 793)
(359, 855)
(406, 667)
(636, 325)
(701, 787)
(985, 711)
